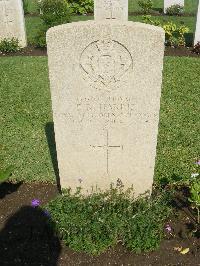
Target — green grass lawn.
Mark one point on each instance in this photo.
(32, 26)
(32, 6)
(25, 109)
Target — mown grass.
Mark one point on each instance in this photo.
(32, 6)
(25, 110)
(179, 138)
(33, 24)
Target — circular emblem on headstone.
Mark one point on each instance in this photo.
(105, 62)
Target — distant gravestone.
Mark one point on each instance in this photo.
(111, 9)
(168, 3)
(12, 20)
(105, 82)
(197, 32)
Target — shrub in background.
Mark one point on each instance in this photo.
(53, 13)
(175, 10)
(94, 223)
(170, 29)
(9, 45)
(145, 6)
(81, 6)
(175, 36)
(182, 30)
(148, 20)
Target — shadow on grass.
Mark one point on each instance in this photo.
(27, 239)
(49, 130)
(8, 188)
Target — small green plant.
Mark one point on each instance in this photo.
(103, 219)
(53, 13)
(9, 45)
(194, 186)
(5, 174)
(170, 29)
(182, 30)
(81, 6)
(195, 197)
(148, 20)
(196, 48)
(145, 5)
(175, 10)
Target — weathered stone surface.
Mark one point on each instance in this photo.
(168, 3)
(111, 10)
(197, 32)
(12, 20)
(105, 82)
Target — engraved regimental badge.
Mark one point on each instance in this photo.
(105, 62)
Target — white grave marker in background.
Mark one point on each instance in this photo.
(12, 21)
(111, 9)
(197, 32)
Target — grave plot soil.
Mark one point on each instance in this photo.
(26, 239)
(169, 51)
(28, 51)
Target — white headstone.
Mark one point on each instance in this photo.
(111, 9)
(197, 32)
(12, 20)
(168, 3)
(105, 82)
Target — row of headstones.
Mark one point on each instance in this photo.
(12, 16)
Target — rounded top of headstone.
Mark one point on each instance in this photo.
(90, 23)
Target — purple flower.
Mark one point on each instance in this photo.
(168, 228)
(198, 162)
(35, 203)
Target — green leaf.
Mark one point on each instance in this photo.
(4, 175)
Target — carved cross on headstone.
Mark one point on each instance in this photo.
(110, 4)
(107, 148)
